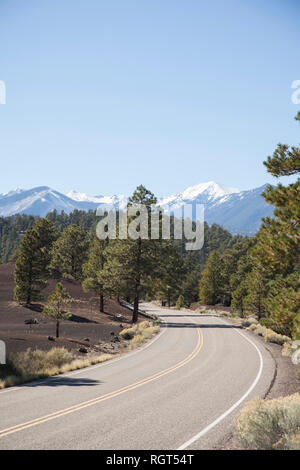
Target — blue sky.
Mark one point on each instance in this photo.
(105, 95)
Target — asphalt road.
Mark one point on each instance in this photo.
(180, 391)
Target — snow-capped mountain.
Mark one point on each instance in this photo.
(237, 211)
(203, 193)
(117, 200)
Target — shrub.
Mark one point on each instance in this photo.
(296, 357)
(260, 330)
(128, 333)
(40, 364)
(37, 362)
(286, 349)
(270, 424)
(249, 321)
(273, 337)
(267, 322)
(180, 302)
(140, 332)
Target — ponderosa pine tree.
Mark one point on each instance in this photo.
(57, 304)
(33, 259)
(70, 251)
(277, 252)
(278, 246)
(167, 285)
(92, 270)
(132, 263)
(211, 284)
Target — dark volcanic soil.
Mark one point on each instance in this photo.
(86, 321)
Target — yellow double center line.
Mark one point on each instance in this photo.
(95, 401)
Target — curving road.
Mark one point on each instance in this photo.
(180, 391)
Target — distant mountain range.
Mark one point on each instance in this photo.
(237, 211)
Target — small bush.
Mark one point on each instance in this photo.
(252, 327)
(260, 330)
(249, 321)
(296, 357)
(128, 333)
(140, 332)
(286, 349)
(44, 364)
(267, 322)
(36, 362)
(270, 424)
(180, 302)
(273, 337)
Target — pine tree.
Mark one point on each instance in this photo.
(238, 284)
(256, 285)
(93, 268)
(33, 259)
(277, 252)
(131, 264)
(167, 285)
(278, 245)
(70, 251)
(57, 304)
(211, 282)
(180, 302)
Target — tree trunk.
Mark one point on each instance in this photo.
(101, 305)
(57, 329)
(135, 312)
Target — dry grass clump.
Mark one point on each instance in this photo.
(277, 338)
(36, 364)
(249, 321)
(268, 334)
(286, 349)
(140, 332)
(271, 424)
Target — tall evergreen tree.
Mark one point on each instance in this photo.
(211, 282)
(70, 251)
(168, 283)
(93, 268)
(132, 263)
(33, 259)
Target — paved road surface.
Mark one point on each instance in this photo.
(182, 390)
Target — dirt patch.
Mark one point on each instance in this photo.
(23, 328)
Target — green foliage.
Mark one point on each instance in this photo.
(283, 304)
(268, 282)
(70, 251)
(57, 304)
(270, 424)
(92, 270)
(32, 263)
(180, 302)
(132, 264)
(212, 281)
(168, 284)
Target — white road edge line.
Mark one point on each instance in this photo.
(233, 407)
(87, 369)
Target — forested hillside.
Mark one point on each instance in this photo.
(261, 275)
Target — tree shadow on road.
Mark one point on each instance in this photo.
(199, 325)
(62, 382)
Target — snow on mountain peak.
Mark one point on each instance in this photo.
(82, 197)
(211, 189)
